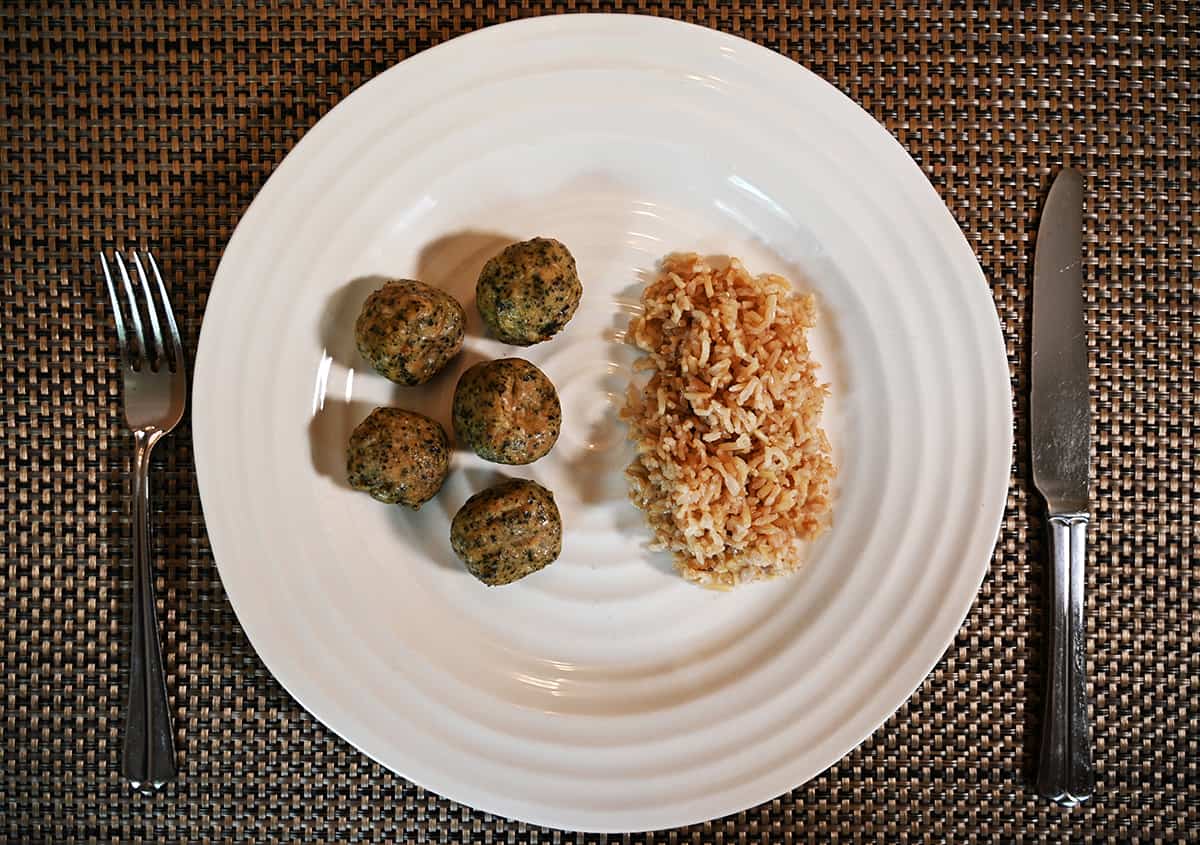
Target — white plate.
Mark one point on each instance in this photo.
(603, 693)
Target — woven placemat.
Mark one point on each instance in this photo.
(161, 124)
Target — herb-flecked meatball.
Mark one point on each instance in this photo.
(408, 330)
(398, 456)
(507, 531)
(507, 411)
(528, 292)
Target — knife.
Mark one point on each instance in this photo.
(1059, 417)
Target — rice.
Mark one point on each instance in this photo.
(732, 471)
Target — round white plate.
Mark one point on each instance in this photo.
(603, 693)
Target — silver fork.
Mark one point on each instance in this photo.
(155, 386)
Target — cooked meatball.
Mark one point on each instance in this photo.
(529, 291)
(399, 457)
(408, 330)
(507, 532)
(507, 411)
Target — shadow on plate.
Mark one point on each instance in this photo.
(460, 485)
(597, 470)
(435, 398)
(627, 304)
(453, 262)
(329, 432)
(336, 329)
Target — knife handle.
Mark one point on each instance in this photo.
(1065, 771)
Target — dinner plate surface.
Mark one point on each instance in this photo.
(603, 693)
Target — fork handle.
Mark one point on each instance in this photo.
(149, 753)
(1065, 771)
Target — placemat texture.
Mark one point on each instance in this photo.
(158, 125)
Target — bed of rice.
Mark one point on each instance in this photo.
(733, 471)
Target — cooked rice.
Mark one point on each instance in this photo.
(732, 470)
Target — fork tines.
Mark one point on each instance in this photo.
(135, 351)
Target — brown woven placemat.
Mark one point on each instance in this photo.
(161, 124)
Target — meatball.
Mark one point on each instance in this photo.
(399, 457)
(507, 411)
(408, 330)
(528, 292)
(507, 531)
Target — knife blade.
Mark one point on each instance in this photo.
(1058, 408)
(1059, 441)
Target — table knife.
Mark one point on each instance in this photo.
(1059, 419)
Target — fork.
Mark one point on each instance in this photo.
(155, 387)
